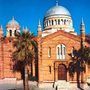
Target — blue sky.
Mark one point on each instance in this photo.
(28, 12)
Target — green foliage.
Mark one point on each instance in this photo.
(71, 69)
(79, 60)
(25, 48)
(87, 54)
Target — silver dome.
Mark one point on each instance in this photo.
(57, 10)
(13, 22)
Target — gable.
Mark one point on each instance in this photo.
(61, 35)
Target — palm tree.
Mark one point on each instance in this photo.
(71, 69)
(80, 58)
(24, 54)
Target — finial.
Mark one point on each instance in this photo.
(82, 22)
(82, 26)
(26, 29)
(39, 26)
(57, 3)
(13, 18)
(39, 23)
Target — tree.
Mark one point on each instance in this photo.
(23, 54)
(88, 38)
(79, 59)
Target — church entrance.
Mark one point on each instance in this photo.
(62, 72)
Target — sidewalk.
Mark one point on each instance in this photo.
(18, 85)
(8, 84)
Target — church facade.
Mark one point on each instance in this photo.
(56, 40)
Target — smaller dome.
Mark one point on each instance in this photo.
(13, 22)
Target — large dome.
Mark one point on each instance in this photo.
(57, 10)
(57, 18)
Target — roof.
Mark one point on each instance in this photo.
(57, 10)
(61, 32)
(13, 22)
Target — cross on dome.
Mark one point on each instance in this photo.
(57, 3)
(57, 10)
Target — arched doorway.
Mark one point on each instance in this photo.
(62, 72)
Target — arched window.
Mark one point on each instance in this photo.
(67, 22)
(55, 22)
(15, 32)
(10, 31)
(61, 51)
(64, 21)
(49, 52)
(58, 50)
(49, 22)
(72, 52)
(58, 21)
(50, 69)
(52, 22)
(61, 21)
(45, 24)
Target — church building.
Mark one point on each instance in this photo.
(56, 40)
